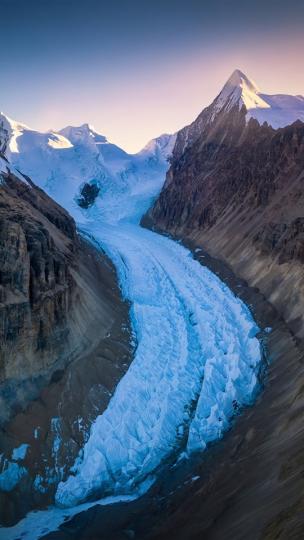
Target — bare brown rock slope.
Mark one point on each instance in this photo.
(38, 246)
(238, 191)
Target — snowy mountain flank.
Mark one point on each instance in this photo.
(66, 162)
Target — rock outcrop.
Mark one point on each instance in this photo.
(88, 194)
(38, 249)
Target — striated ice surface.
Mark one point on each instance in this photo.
(196, 356)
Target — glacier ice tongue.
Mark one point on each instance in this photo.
(196, 355)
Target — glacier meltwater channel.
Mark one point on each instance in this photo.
(196, 355)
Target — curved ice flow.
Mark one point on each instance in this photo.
(196, 354)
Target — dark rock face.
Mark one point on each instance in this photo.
(38, 243)
(238, 191)
(56, 424)
(88, 195)
(220, 174)
(282, 240)
(48, 314)
(4, 137)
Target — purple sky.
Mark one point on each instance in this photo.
(136, 69)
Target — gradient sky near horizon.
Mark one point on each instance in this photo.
(136, 69)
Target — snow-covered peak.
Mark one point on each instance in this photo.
(85, 133)
(239, 79)
(9, 123)
(278, 110)
(20, 137)
(241, 91)
(160, 147)
(241, 95)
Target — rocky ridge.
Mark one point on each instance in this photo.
(237, 191)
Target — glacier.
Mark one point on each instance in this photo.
(197, 355)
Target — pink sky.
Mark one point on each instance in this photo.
(135, 70)
(172, 94)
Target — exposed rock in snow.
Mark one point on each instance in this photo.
(88, 194)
